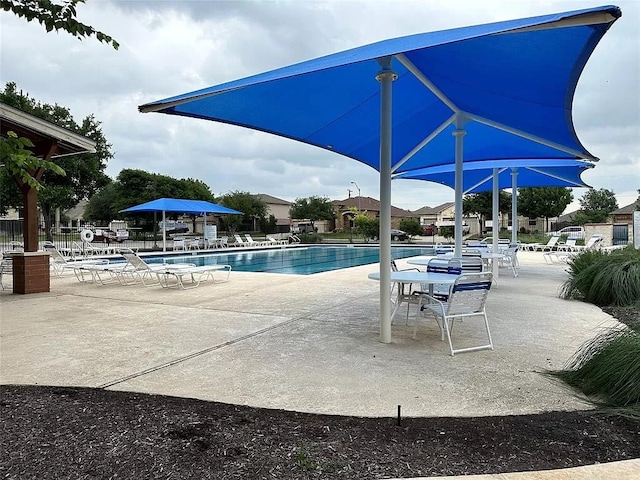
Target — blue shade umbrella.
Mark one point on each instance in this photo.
(500, 90)
(478, 176)
(180, 205)
(483, 176)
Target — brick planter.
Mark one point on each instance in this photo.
(31, 272)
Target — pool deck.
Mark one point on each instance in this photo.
(304, 343)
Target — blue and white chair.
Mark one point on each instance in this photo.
(466, 299)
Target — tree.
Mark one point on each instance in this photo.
(252, 206)
(366, 226)
(543, 202)
(85, 172)
(19, 161)
(134, 186)
(56, 17)
(596, 205)
(481, 204)
(101, 207)
(314, 208)
(411, 226)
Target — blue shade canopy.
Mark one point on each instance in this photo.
(478, 176)
(195, 207)
(504, 89)
(511, 83)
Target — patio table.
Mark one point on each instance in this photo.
(408, 277)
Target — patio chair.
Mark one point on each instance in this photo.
(169, 277)
(450, 266)
(568, 246)
(179, 243)
(60, 264)
(467, 300)
(6, 269)
(194, 243)
(239, 241)
(274, 241)
(594, 243)
(551, 244)
(137, 270)
(401, 291)
(510, 259)
(251, 242)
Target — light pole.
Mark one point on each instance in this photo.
(356, 185)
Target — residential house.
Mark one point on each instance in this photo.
(622, 224)
(444, 215)
(279, 208)
(344, 210)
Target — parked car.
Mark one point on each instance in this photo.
(398, 235)
(174, 227)
(572, 232)
(103, 235)
(304, 227)
(430, 229)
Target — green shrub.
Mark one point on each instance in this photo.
(310, 238)
(608, 369)
(604, 278)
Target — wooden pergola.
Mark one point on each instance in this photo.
(50, 142)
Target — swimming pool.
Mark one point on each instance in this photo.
(295, 260)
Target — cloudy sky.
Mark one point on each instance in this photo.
(175, 46)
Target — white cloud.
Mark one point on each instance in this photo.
(172, 47)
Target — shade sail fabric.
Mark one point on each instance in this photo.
(478, 176)
(486, 92)
(513, 76)
(195, 207)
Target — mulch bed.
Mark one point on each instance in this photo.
(83, 433)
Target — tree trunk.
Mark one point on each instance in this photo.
(48, 230)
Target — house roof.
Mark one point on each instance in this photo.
(369, 204)
(77, 211)
(271, 199)
(434, 210)
(629, 209)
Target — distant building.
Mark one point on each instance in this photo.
(444, 215)
(279, 208)
(344, 210)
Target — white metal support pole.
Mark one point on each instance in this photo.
(386, 77)
(495, 211)
(164, 231)
(459, 133)
(514, 205)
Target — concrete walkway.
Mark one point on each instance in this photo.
(304, 343)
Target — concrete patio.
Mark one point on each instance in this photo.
(305, 343)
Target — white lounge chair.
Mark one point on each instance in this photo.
(551, 244)
(466, 300)
(275, 241)
(60, 264)
(134, 270)
(252, 242)
(568, 246)
(594, 243)
(239, 241)
(169, 277)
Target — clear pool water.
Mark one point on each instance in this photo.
(298, 260)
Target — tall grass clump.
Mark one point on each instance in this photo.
(604, 278)
(607, 368)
